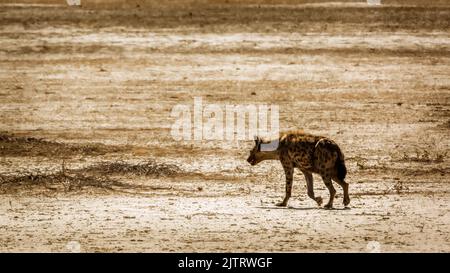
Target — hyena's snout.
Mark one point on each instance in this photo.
(252, 160)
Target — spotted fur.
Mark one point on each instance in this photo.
(309, 153)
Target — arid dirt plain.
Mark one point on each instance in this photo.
(87, 161)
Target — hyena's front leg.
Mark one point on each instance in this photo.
(310, 186)
(289, 173)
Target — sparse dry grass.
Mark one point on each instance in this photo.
(426, 157)
(147, 168)
(60, 181)
(11, 145)
(96, 176)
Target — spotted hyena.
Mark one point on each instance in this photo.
(309, 153)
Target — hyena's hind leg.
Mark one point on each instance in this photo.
(329, 184)
(310, 186)
(344, 186)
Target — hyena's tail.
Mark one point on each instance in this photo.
(340, 164)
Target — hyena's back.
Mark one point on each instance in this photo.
(312, 153)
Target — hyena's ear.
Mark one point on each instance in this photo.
(257, 140)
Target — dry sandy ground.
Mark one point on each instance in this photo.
(87, 162)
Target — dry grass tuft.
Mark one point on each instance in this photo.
(426, 157)
(56, 181)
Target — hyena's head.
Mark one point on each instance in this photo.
(255, 153)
